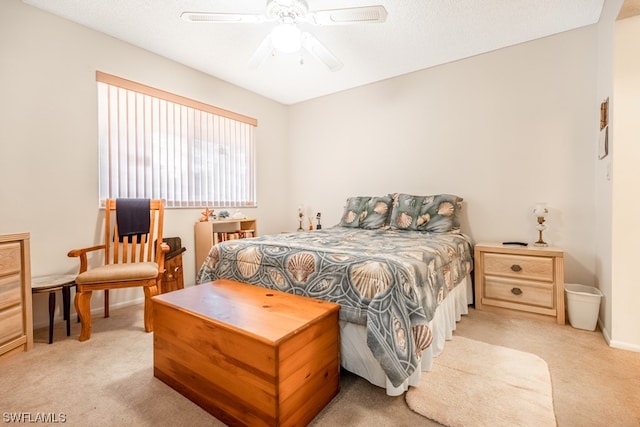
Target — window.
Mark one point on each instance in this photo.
(157, 145)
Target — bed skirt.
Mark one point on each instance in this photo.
(358, 359)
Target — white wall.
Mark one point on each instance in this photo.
(503, 130)
(625, 315)
(48, 137)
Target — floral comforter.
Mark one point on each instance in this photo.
(390, 281)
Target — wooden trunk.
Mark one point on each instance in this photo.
(246, 354)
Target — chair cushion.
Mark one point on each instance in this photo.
(119, 273)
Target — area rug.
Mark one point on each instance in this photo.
(473, 383)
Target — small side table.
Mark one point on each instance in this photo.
(173, 277)
(520, 278)
(50, 284)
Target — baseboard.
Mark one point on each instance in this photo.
(621, 345)
(95, 312)
(624, 346)
(605, 332)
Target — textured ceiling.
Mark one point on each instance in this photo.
(417, 34)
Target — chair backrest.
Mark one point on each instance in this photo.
(131, 249)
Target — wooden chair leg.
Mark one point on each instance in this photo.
(106, 303)
(149, 292)
(82, 302)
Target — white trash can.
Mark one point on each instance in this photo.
(583, 305)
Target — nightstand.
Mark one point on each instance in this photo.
(520, 278)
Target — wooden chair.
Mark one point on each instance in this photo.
(129, 261)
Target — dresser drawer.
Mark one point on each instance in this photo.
(11, 323)
(10, 291)
(10, 258)
(519, 266)
(519, 291)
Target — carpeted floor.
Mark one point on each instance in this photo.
(108, 380)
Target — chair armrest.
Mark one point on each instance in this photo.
(162, 253)
(82, 253)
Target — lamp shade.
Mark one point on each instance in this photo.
(541, 209)
(286, 38)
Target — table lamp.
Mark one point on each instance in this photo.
(540, 211)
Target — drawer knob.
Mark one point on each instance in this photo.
(516, 267)
(516, 291)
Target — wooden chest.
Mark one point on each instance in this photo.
(246, 354)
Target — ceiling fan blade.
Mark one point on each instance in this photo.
(222, 18)
(321, 53)
(352, 15)
(264, 50)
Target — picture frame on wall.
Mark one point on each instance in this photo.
(603, 143)
(603, 140)
(604, 114)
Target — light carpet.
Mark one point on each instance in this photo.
(473, 383)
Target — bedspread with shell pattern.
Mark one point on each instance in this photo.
(390, 281)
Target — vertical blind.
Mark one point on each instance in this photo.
(158, 145)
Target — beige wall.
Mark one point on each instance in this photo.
(48, 137)
(625, 296)
(603, 175)
(503, 130)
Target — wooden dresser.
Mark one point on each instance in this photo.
(246, 354)
(16, 320)
(521, 278)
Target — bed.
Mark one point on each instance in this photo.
(398, 265)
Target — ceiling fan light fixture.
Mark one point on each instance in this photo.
(286, 38)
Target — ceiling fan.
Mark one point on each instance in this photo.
(286, 36)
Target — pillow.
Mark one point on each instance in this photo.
(376, 213)
(353, 211)
(437, 214)
(366, 212)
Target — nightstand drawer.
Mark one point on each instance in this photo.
(520, 266)
(519, 291)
